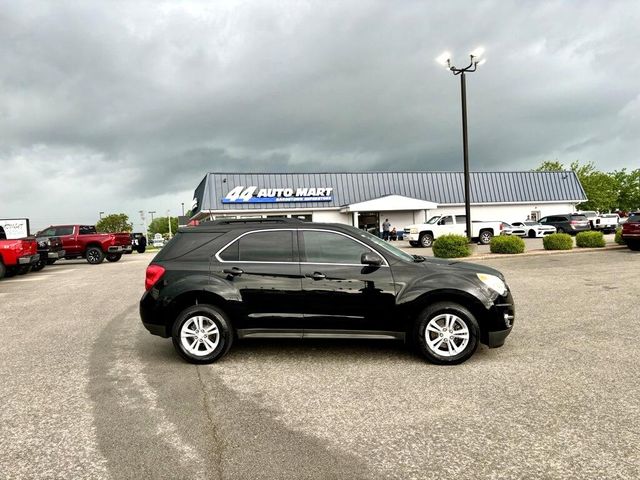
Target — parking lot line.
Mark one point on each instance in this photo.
(16, 280)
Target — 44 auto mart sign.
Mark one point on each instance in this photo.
(252, 194)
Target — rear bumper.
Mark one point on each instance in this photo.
(56, 255)
(128, 248)
(29, 259)
(154, 329)
(115, 249)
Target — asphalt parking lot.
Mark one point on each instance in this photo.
(86, 392)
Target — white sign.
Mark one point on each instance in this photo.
(253, 194)
(15, 227)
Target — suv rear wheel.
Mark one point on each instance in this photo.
(446, 333)
(202, 334)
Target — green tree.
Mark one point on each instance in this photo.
(628, 189)
(550, 166)
(161, 225)
(114, 223)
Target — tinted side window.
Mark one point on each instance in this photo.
(274, 246)
(327, 247)
(461, 219)
(87, 230)
(448, 220)
(64, 231)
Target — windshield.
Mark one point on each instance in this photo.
(530, 223)
(396, 252)
(433, 220)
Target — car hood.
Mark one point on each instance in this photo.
(463, 267)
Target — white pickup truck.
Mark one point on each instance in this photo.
(423, 234)
(607, 222)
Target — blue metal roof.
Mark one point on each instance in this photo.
(443, 188)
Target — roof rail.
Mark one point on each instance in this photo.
(248, 221)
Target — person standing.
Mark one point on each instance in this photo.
(386, 226)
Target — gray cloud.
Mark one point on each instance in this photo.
(123, 106)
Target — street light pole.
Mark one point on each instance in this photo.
(182, 208)
(101, 213)
(445, 60)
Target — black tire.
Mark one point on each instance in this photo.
(532, 234)
(3, 270)
(463, 317)
(426, 240)
(52, 261)
(212, 314)
(140, 249)
(23, 269)
(485, 237)
(414, 244)
(94, 255)
(39, 265)
(635, 246)
(559, 230)
(114, 257)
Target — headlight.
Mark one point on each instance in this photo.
(493, 282)
(413, 231)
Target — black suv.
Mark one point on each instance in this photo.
(225, 280)
(567, 223)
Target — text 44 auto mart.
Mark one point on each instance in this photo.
(366, 199)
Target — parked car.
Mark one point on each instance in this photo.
(590, 215)
(512, 229)
(607, 222)
(567, 223)
(139, 242)
(83, 241)
(17, 255)
(50, 250)
(266, 278)
(631, 231)
(535, 229)
(423, 234)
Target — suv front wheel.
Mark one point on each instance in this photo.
(446, 333)
(202, 334)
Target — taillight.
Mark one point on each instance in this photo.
(154, 273)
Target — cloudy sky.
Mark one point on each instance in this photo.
(124, 106)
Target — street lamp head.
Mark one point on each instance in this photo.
(482, 62)
(477, 54)
(444, 59)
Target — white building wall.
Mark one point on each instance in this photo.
(331, 216)
(508, 213)
(400, 219)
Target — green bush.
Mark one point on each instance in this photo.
(618, 238)
(558, 241)
(451, 246)
(506, 244)
(590, 240)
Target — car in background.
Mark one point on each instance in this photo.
(512, 229)
(567, 223)
(424, 234)
(83, 241)
(230, 280)
(50, 250)
(17, 255)
(607, 222)
(591, 216)
(534, 229)
(138, 242)
(631, 231)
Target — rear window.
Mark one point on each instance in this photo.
(634, 218)
(184, 243)
(579, 217)
(87, 229)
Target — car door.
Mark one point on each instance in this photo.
(68, 239)
(340, 293)
(263, 267)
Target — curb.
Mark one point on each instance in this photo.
(536, 253)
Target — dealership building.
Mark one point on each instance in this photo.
(366, 199)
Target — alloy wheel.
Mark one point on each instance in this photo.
(447, 335)
(199, 336)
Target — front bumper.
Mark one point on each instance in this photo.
(29, 259)
(499, 323)
(412, 237)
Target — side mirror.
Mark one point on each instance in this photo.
(370, 258)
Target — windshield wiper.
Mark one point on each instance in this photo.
(418, 258)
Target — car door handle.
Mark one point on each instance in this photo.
(317, 276)
(235, 271)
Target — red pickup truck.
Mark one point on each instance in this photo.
(17, 256)
(83, 241)
(631, 231)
